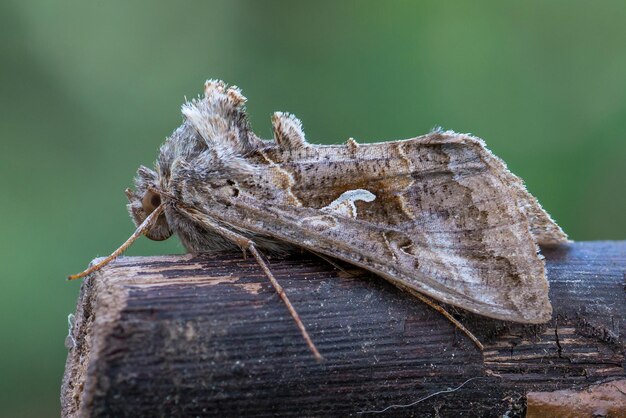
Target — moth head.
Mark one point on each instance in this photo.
(144, 200)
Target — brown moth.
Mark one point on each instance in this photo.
(438, 215)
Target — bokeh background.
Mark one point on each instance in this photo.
(90, 89)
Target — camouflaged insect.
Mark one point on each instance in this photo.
(438, 214)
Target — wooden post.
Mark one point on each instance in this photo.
(201, 335)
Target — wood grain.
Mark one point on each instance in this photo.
(201, 335)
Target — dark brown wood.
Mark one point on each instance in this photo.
(207, 336)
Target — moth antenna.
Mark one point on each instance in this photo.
(288, 132)
(141, 229)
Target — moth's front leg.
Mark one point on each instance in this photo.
(247, 244)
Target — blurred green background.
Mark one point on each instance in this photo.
(91, 89)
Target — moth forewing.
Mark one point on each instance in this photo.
(446, 221)
(520, 299)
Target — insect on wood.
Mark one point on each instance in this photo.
(437, 215)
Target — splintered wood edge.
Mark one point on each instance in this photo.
(98, 308)
(102, 298)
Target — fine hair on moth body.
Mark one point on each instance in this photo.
(438, 215)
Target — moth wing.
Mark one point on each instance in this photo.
(410, 169)
(439, 214)
(503, 278)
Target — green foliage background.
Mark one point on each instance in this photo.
(90, 89)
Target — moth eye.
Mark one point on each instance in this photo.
(150, 201)
(156, 200)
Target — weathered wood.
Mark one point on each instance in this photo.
(207, 336)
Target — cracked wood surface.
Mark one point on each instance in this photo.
(200, 335)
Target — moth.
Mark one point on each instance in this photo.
(438, 215)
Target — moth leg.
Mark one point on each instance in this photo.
(283, 296)
(422, 298)
(446, 314)
(247, 244)
(332, 263)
